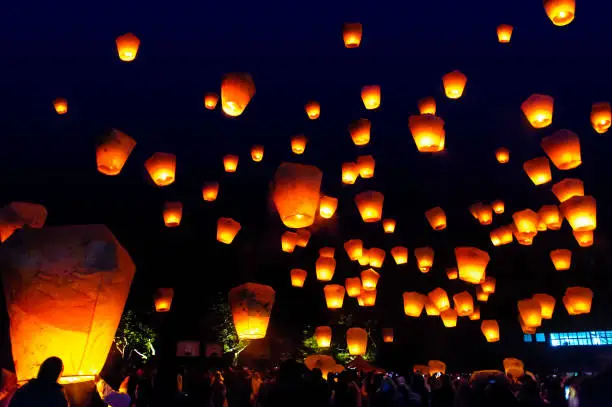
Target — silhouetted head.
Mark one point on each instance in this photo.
(51, 369)
(317, 374)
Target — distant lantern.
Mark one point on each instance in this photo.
(498, 207)
(367, 298)
(296, 193)
(584, 239)
(524, 239)
(490, 329)
(354, 248)
(449, 318)
(356, 341)
(567, 188)
(563, 149)
(436, 366)
(370, 95)
(298, 277)
(538, 109)
(364, 259)
(351, 33)
(377, 257)
(173, 212)
(334, 295)
(475, 316)
(431, 309)
(113, 151)
(237, 90)
(454, 84)
(531, 312)
(526, 330)
(210, 100)
(366, 165)
(488, 285)
(161, 168)
(502, 155)
(481, 295)
(163, 299)
(547, 303)
(400, 254)
(464, 304)
(427, 106)
(251, 306)
(327, 252)
(313, 110)
(472, 264)
(327, 206)
(370, 205)
(353, 286)
(538, 169)
(601, 117)
(413, 303)
(257, 153)
(127, 46)
(482, 212)
(425, 258)
(389, 225)
(360, 131)
(325, 268)
(560, 12)
(230, 163)
(526, 223)
(436, 218)
(350, 172)
(581, 213)
(439, 298)
(210, 190)
(323, 335)
(514, 367)
(577, 300)
(452, 273)
(550, 215)
(387, 334)
(227, 229)
(60, 105)
(303, 236)
(428, 132)
(502, 235)
(298, 144)
(289, 241)
(369, 279)
(504, 33)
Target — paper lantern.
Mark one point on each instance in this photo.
(454, 84)
(531, 312)
(449, 318)
(163, 299)
(360, 131)
(425, 258)
(113, 151)
(568, 188)
(210, 190)
(334, 295)
(526, 223)
(584, 239)
(504, 33)
(298, 277)
(210, 100)
(369, 279)
(289, 241)
(526, 330)
(17, 215)
(127, 47)
(370, 205)
(68, 302)
(366, 165)
(377, 257)
(230, 163)
(370, 95)
(413, 303)
(350, 171)
(514, 367)
(251, 306)
(327, 252)
(400, 254)
(547, 304)
(389, 225)
(296, 193)
(428, 132)
(524, 239)
(436, 366)
(560, 12)
(577, 300)
(431, 309)
(464, 304)
(551, 217)
(490, 330)
(60, 105)
(353, 286)
(563, 149)
(452, 273)
(498, 207)
(472, 264)
(601, 117)
(323, 335)
(541, 224)
(313, 110)
(488, 286)
(357, 341)
(325, 363)
(257, 153)
(303, 236)
(427, 106)
(581, 213)
(387, 334)
(502, 235)
(354, 249)
(227, 229)
(436, 218)
(482, 212)
(364, 260)
(502, 155)
(561, 258)
(325, 268)
(439, 298)
(298, 143)
(237, 90)
(367, 298)
(327, 206)
(475, 316)
(161, 168)
(173, 212)
(538, 109)
(538, 170)
(481, 295)
(351, 33)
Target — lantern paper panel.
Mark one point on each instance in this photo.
(400, 254)
(431, 309)
(502, 155)
(161, 168)
(367, 298)
(369, 279)
(370, 205)
(436, 218)
(303, 237)
(298, 277)
(298, 144)
(428, 132)
(350, 171)
(237, 90)
(334, 295)
(387, 334)
(547, 304)
(436, 366)
(560, 12)
(488, 285)
(325, 268)
(577, 300)
(351, 34)
(257, 153)
(357, 341)
(584, 239)
(563, 149)
(60, 105)
(389, 225)
(425, 258)
(377, 257)
(538, 109)
(296, 193)
(230, 163)
(526, 223)
(163, 299)
(464, 304)
(568, 188)
(514, 367)
(366, 165)
(327, 252)
(498, 207)
(370, 95)
(472, 264)
(17, 215)
(530, 312)
(113, 151)
(452, 273)
(127, 47)
(601, 117)
(561, 258)
(327, 206)
(289, 241)
(538, 170)
(504, 33)
(251, 306)
(414, 303)
(323, 335)
(364, 260)
(449, 318)
(550, 215)
(439, 298)
(210, 100)
(581, 213)
(353, 286)
(227, 229)
(313, 110)
(475, 316)
(482, 212)
(210, 191)
(481, 295)
(360, 131)
(454, 84)
(354, 248)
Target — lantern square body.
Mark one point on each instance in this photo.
(498, 207)
(504, 33)
(514, 367)
(502, 235)
(257, 153)
(414, 303)
(173, 213)
(369, 279)
(367, 298)
(313, 110)
(364, 260)
(550, 215)
(377, 257)
(303, 237)
(526, 223)
(350, 171)
(334, 296)
(298, 277)
(298, 144)
(325, 268)
(439, 298)
(464, 304)
(327, 206)
(289, 241)
(454, 84)
(354, 248)
(230, 163)
(577, 300)
(490, 329)
(389, 225)
(127, 47)
(351, 34)
(436, 366)
(538, 109)
(561, 258)
(327, 252)
(370, 95)
(163, 299)
(65, 289)
(400, 254)
(581, 213)
(530, 312)
(427, 105)
(547, 304)
(584, 239)
(227, 229)
(210, 190)
(113, 151)
(161, 168)
(366, 165)
(449, 318)
(360, 131)
(601, 117)
(452, 273)
(357, 341)
(353, 286)
(387, 334)
(472, 264)
(425, 258)
(488, 285)
(60, 105)
(428, 132)
(475, 316)
(370, 205)
(502, 155)
(237, 90)
(251, 306)
(481, 295)
(210, 100)
(323, 335)
(563, 149)
(296, 193)
(436, 218)
(567, 188)
(560, 12)
(482, 212)
(431, 309)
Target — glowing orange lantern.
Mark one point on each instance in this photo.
(334, 296)
(490, 329)
(60, 105)
(472, 264)
(227, 229)
(370, 95)
(113, 151)
(230, 163)
(350, 171)
(389, 225)
(502, 155)
(327, 252)
(425, 258)
(551, 217)
(377, 257)
(357, 341)
(323, 335)
(303, 236)
(367, 298)
(327, 206)
(364, 260)
(289, 241)
(449, 318)
(504, 33)
(210, 100)
(498, 207)
(427, 106)
(251, 306)
(531, 313)
(413, 303)
(452, 273)
(488, 286)
(514, 367)
(439, 298)
(313, 110)
(296, 193)
(354, 249)
(366, 165)
(370, 205)
(387, 334)
(502, 235)
(525, 239)
(325, 267)
(464, 304)
(400, 254)
(541, 224)
(568, 188)
(161, 168)
(369, 279)
(435, 366)
(351, 33)
(526, 223)
(431, 309)
(454, 84)
(538, 169)
(360, 131)
(577, 300)
(483, 213)
(298, 143)
(428, 132)
(475, 316)
(584, 239)
(257, 153)
(481, 295)
(173, 212)
(237, 90)
(601, 117)
(538, 109)
(298, 277)
(581, 213)
(547, 304)
(163, 299)
(18, 215)
(210, 191)
(436, 218)
(560, 12)
(127, 47)
(353, 286)
(563, 149)
(525, 328)
(561, 258)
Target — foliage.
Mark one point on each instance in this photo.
(338, 348)
(134, 336)
(223, 327)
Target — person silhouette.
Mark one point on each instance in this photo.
(44, 390)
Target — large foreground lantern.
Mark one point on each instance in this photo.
(567, 188)
(504, 33)
(298, 277)
(327, 206)
(560, 12)
(425, 258)
(428, 132)
(400, 254)
(334, 295)
(60, 105)
(377, 257)
(296, 193)
(369, 279)
(298, 143)
(581, 213)
(303, 237)
(366, 165)
(163, 299)
(257, 153)
(577, 300)
(210, 190)
(550, 215)
(538, 170)
(251, 306)
(547, 303)
(127, 46)
(289, 241)
(449, 318)
(357, 341)
(237, 89)
(436, 366)
(502, 155)
(370, 95)
(227, 229)
(387, 334)
(439, 298)
(351, 34)
(325, 268)
(584, 239)
(161, 168)
(370, 205)
(601, 117)
(538, 109)
(68, 302)
(210, 100)
(113, 151)
(350, 172)
(490, 329)
(436, 218)
(323, 335)
(464, 304)
(313, 110)
(472, 264)
(230, 162)
(173, 212)
(414, 303)
(454, 84)
(354, 248)
(353, 286)
(360, 131)
(561, 258)
(427, 105)
(563, 149)
(530, 312)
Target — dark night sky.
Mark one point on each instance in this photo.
(295, 53)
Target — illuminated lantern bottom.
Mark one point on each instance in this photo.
(251, 306)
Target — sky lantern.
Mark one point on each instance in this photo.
(356, 341)
(428, 132)
(19, 215)
(327, 206)
(472, 264)
(567, 188)
(525, 328)
(370, 95)
(560, 12)
(351, 33)
(541, 224)
(370, 205)
(237, 90)
(251, 306)
(436, 218)
(526, 223)
(584, 239)
(350, 172)
(504, 33)
(601, 117)
(502, 155)
(550, 215)
(227, 229)
(369, 279)
(431, 309)
(436, 366)
(449, 318)
(334, 295)
(298, 144)
(577, 300)
(482, 212)
(581, 213)
(413, 303)
(113, 151)
(454, 84)
(377, 257)
(163, 299)
(514, 367)
(367, 298)
(538, 169)
(563, 149)
(498, 207)
(538, 109)
(303, 237)
(298, 277)
(547, 303)
(323, 335)
(313, 110)
(353, 286)
(173, 212)
(210, 190)
(127, 47)
(481, 295)
(354, 248)
(296, 193)
(289, 241)
(464, 304)
(427, 105)
(360, 131)
(161, 168)
(387, 334)
(400, 254)
(475, 316)
(389, 225)
(327, 252)
(366, 165)
(325, 268)
(524, 239)
(364, 260)
(452, 273)
(439, 298)
(60, 105)
(488, 286)
(490, 329)
(502, 235)
(230, 163)
(425, 258)
(257, 153)
(210, 100)
(531, 312)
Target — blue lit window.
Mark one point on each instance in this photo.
(586, 338)
(540, 337)
(527, 338)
